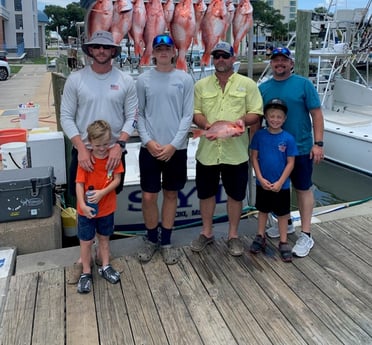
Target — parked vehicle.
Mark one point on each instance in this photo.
(4, 70)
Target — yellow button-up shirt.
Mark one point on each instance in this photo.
(241, 96)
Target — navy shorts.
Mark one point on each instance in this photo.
(234, 180)
(278, 202)
(302, 172)
(156, 174)
(73, 170)
(87, 228)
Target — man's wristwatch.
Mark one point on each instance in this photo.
(122, 144)
(319, 143)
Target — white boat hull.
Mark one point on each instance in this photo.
(128, 216)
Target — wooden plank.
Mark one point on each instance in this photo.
(249, 312)
(111, 312)
(211, 326)
(330, 261)
(49, 320)
(175, 318)
(81, 322)
(329, 322)
(16, 325)
(143, 316)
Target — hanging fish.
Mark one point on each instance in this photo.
(212, 27)
(100, 17)
(138, 26)
(183, 30)
(121, 20)
(199, 8)
(155, 25)
(242, 22)
(168, 9)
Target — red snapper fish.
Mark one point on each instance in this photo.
(199, 8)
(100, 16)
(121, 20)
(138, 26)
(242, 22)
(168, 8)
(155, 25)
(221, 130)
(213, 27)
(230, 7)
(183, 30)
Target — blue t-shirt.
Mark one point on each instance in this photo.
(273, 150)
(300, 96)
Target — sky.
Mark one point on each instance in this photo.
(302, 4)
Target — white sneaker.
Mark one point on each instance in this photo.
(273, 232)
(303, 245)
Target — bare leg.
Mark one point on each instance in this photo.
(168, 212)
(262, 220)
(85, 255)
(150, 209)
(283, 227)
(305, 200)
(104, 249)
(207, 207)
(234, 212)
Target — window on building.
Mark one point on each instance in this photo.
(18, 5)
(19, 21)
(20, 38)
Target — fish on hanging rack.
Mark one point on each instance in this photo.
(183, 30)
(200, 8)
(121, 20)
(212, 27)
(168, 8)
(230, 8)
(155, 25)
(138, 26)
(242, 22)
(100, 17)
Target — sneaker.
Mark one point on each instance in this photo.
(273, 232)
(148, 250)
(85, 283)
(200, 243)
(170, 254)
(303, 245)
(235, 247)
(258, 244)
(109, 274)
(285, 251)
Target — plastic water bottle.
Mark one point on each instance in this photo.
(88, 193)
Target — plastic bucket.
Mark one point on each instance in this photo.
(29, 116)
(69, 221)
(11, 135)
(14, 155)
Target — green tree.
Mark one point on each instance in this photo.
(63, 20)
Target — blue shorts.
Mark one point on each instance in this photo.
(156, 174)
(277, 202)
(87, 228)
(234, 180)
(302, 172)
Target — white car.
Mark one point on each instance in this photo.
(4, 70)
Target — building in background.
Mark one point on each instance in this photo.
(22, 28)
(287, 8)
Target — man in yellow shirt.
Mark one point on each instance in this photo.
(227, 96)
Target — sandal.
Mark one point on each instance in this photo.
(148, 251)
(285, 251)
(170, 255)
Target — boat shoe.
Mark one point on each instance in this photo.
(200, 243)
(235, 247)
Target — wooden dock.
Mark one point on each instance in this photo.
(208, 298)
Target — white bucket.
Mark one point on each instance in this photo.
(14, 155)
(29, 116)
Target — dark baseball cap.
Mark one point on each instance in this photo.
(281, 51)
(276, 103)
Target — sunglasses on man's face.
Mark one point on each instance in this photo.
(224, 56)
(99, 46)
